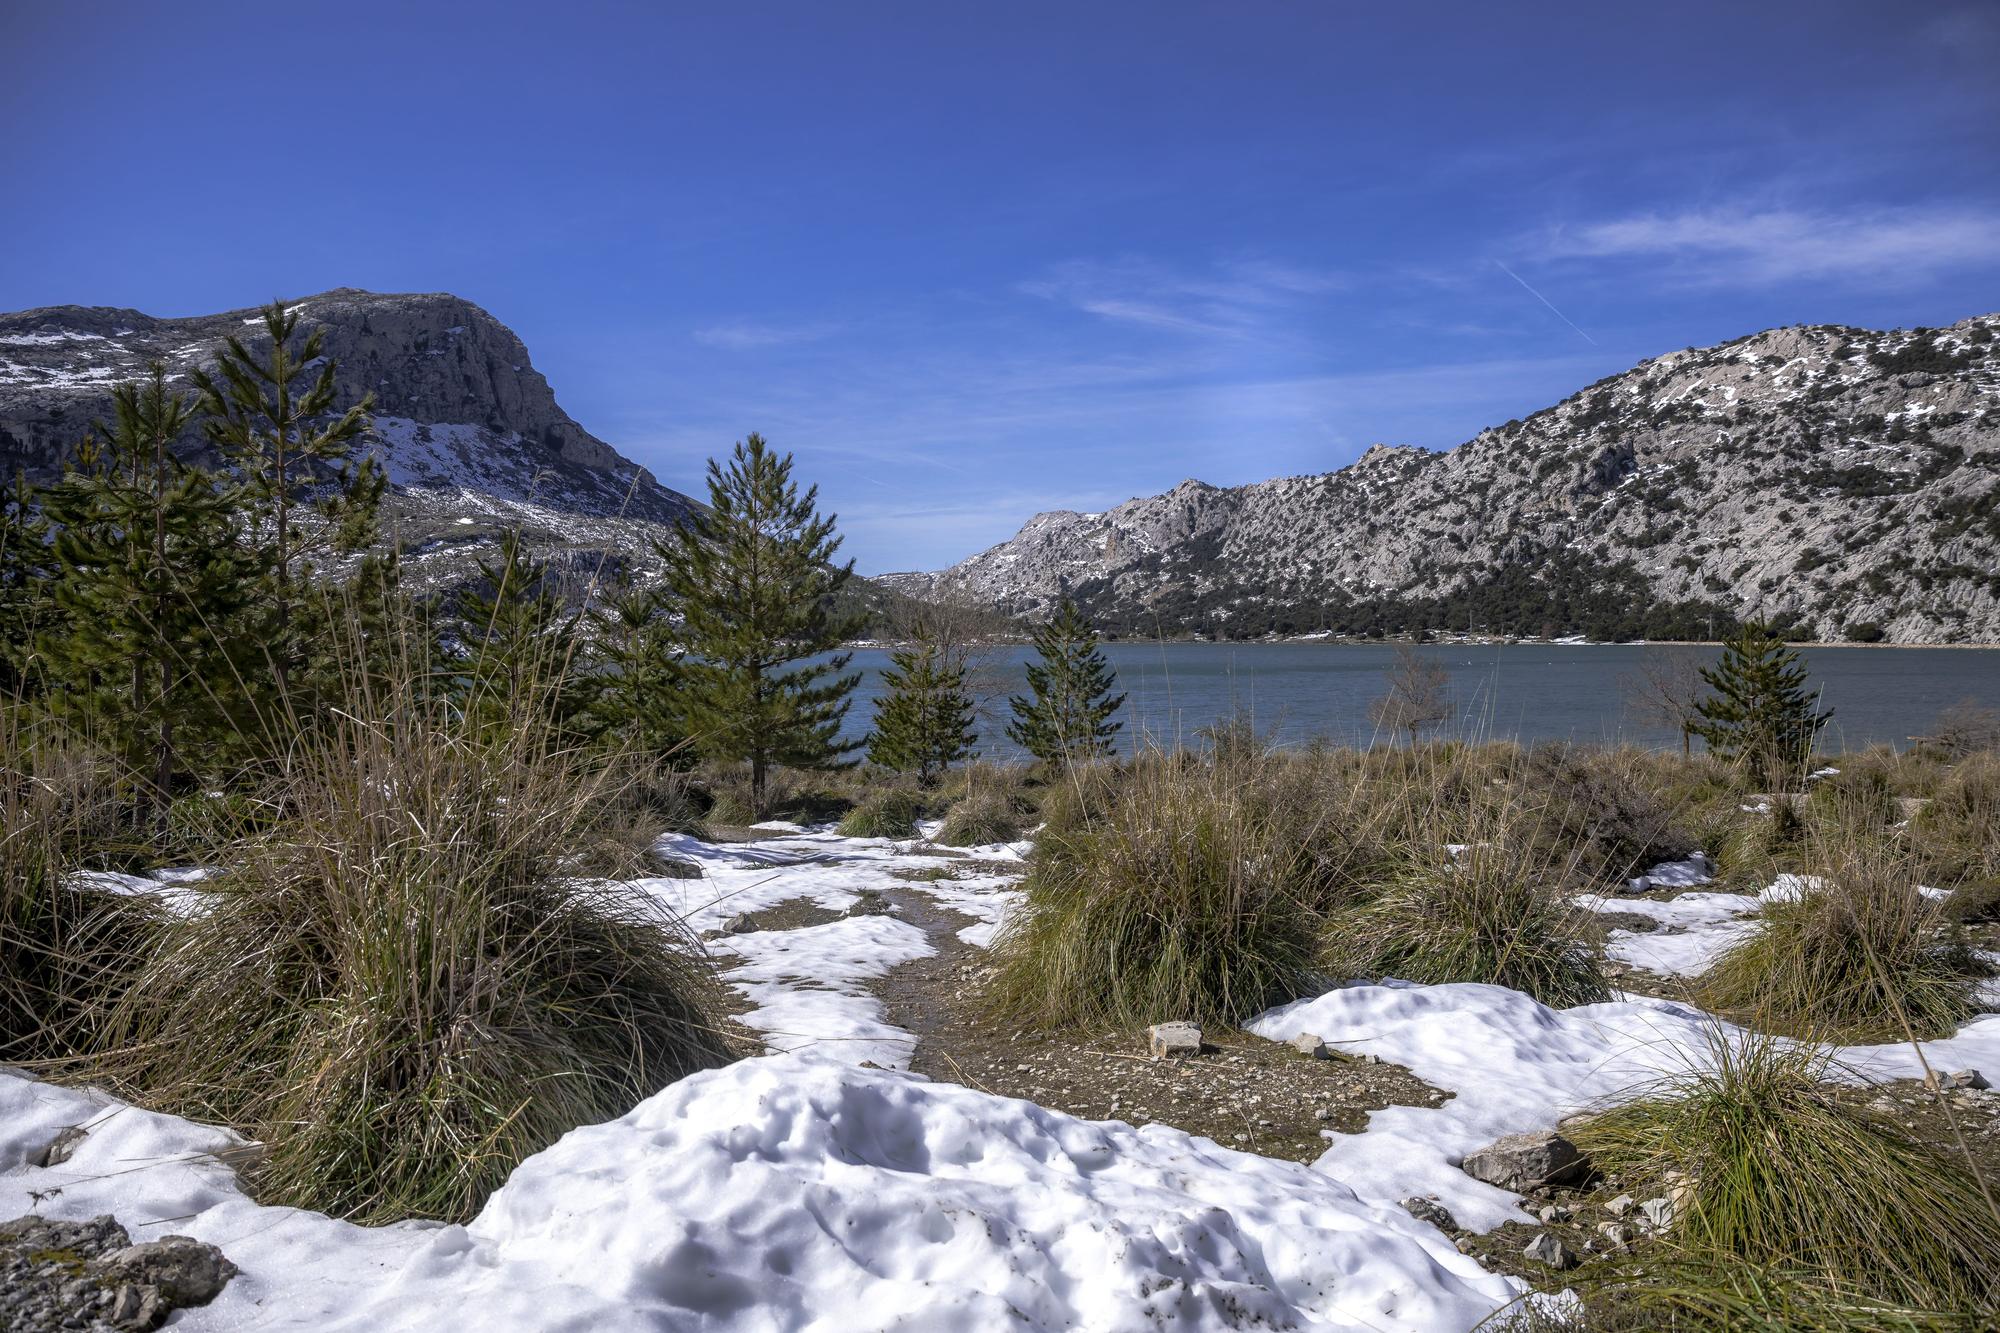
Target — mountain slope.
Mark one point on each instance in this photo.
(468, 430)
(1842, 479)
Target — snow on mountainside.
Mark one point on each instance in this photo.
(1844, 479)
(468, 430)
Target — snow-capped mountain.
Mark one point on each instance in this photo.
(1844, 479)
(469, 432)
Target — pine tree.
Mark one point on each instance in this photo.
(753, 579)
(1761, 713)
(636, 669)
(151, 577)
(1067, 712)
(520, 644)
(304, 497)
(28, 610)
(923, 718)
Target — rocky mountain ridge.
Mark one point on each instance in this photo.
(468, 430)
(1840, 480)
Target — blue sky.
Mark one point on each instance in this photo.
(972, 261)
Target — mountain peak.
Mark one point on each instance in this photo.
(469, 431)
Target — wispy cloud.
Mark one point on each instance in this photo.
(1781, 244)
(1235, 299)
(744, 337)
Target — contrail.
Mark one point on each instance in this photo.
(1545, 301)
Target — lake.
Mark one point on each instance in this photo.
(1298, 691)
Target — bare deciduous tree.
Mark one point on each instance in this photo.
(1665, 691)
(968, 635)
(1963, 729)
(1419, 694)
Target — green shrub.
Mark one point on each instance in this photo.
(1826, 1202)
(1859, 955)
(405, 989)
(887, 814)
(1499, 912)
(1181, 896)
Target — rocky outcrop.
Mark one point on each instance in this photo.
(468, 430)
(1844, 480)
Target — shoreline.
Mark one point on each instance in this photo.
(1454, 641)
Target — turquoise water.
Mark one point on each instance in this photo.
(1298, 691)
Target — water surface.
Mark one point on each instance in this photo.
(1299, 691)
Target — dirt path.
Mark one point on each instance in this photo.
(1244, 1092)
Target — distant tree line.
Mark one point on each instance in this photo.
(1561, 594)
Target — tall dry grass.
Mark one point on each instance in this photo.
(405, 985)
(63, 809)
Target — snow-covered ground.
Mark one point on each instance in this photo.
(820, 1187)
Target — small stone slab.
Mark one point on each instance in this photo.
(1308, 1044)
(1546, 1249)
(1179, 1040)
(1431, 1211)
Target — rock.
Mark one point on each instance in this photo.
(1656, 1215)
(1551, 1213)
(1430, 1210)
(182, 1269)
(1618, 1235)
(1546, 1249)
(88, 1275)
(1307, 1044)
(1173, 1039)
(1619, 1206)
(740, 924)
(1964, 1079)
(1522, 1162)
(61, 1147)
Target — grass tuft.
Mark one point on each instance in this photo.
(1860, 955)
(892, 813)
(1497, 912)
(1792, 1199)
(1180, 897)
(408, 989)
(981, 818)
(62, 949)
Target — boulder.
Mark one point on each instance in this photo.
(1173, 1039)
(1308, 1044)
(1522, 1162)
